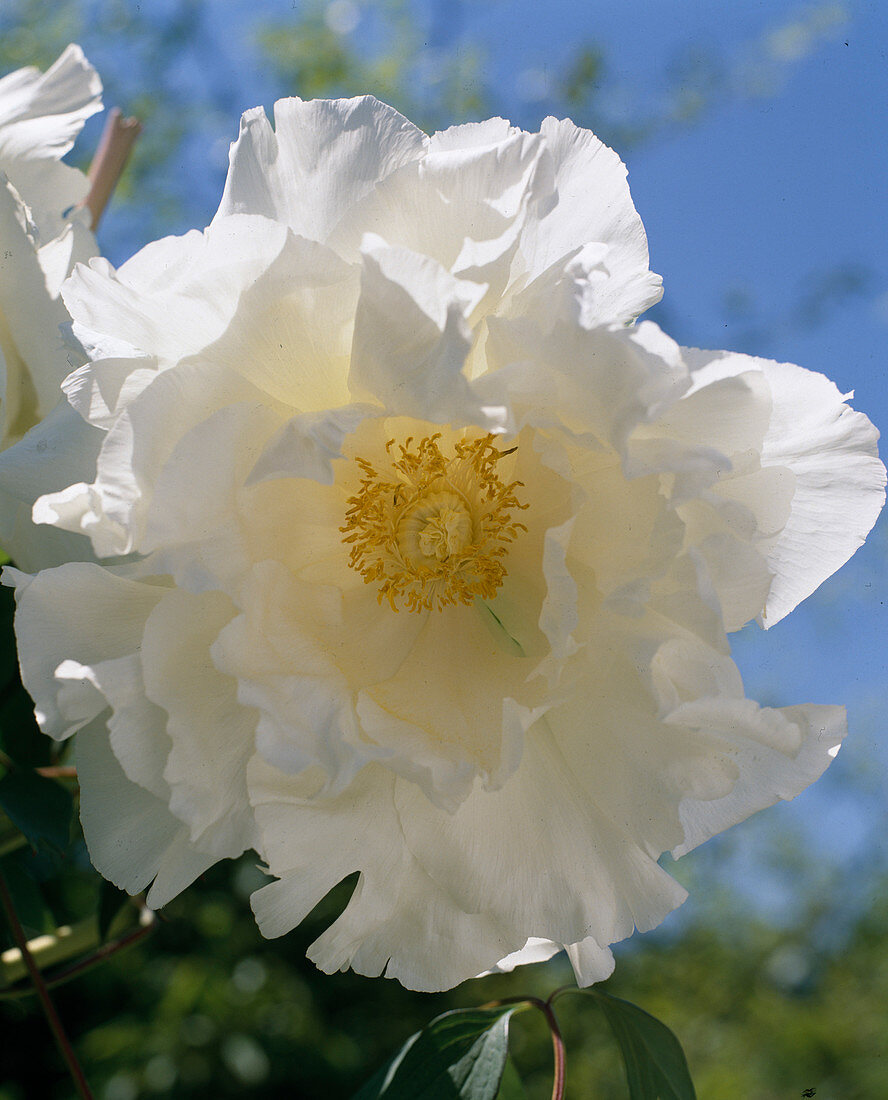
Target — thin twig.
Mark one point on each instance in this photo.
(102, 953)
(113, 152)
(58, 771)
(55, 1023)
(58, 977)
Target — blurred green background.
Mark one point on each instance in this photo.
(754, 136)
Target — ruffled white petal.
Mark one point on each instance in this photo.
(78, 613)
(773, 762)
(412, 338)
(480, 881)
(42, 113)
(839, 483)
(32, 355)
(463, 205)
(132, 837)
(211, 736)
(178, 294)
(320, 159)
(591, 203)
(60, 447)
(821, 484)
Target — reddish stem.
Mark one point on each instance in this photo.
(101, 953)
(49, 1009)
(558, 1085)
(108, 164)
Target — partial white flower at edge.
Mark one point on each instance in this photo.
(42, 237)
(434, 551)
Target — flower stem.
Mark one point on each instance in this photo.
(55, 1023)
(113, 152)
(558, 1053)
(100, 954)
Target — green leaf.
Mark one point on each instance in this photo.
(510, 1086)
(656, 1067)
(19, 733)
(8, 659)
(41, 808)
(458, 1056)
(27, 899)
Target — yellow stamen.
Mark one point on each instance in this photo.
(433, 532)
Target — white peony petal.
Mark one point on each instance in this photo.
(471, 882)
(436, 715)
(534, 951)
(40, 116)
(131, 835)
(177, 295)
(79, 612)
(306, 445)
(60, 447)
(212, 737)
(291, 331)
(598, 384)
(46, 111)
(777, 754)
(461, 205)
(585, 167)
(321, 158)
(411, 338)
(31, 349)
(136, 727)
(590, 961)
(839, 483)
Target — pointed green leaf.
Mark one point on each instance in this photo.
(656, 1067)
(27, 899)
(40, 807)
(458, 1056)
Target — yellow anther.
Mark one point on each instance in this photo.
(433, 531)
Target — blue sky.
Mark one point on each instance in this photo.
(766, 217)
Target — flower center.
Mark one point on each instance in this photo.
(432, 530)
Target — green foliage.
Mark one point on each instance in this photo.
(656, 1067)
(434, 89)
(30, 905)
(41, 808)
(112, 902)
(461, 1055)
(34, 32)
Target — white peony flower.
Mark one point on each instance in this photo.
(434, 556)
(42, 237)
